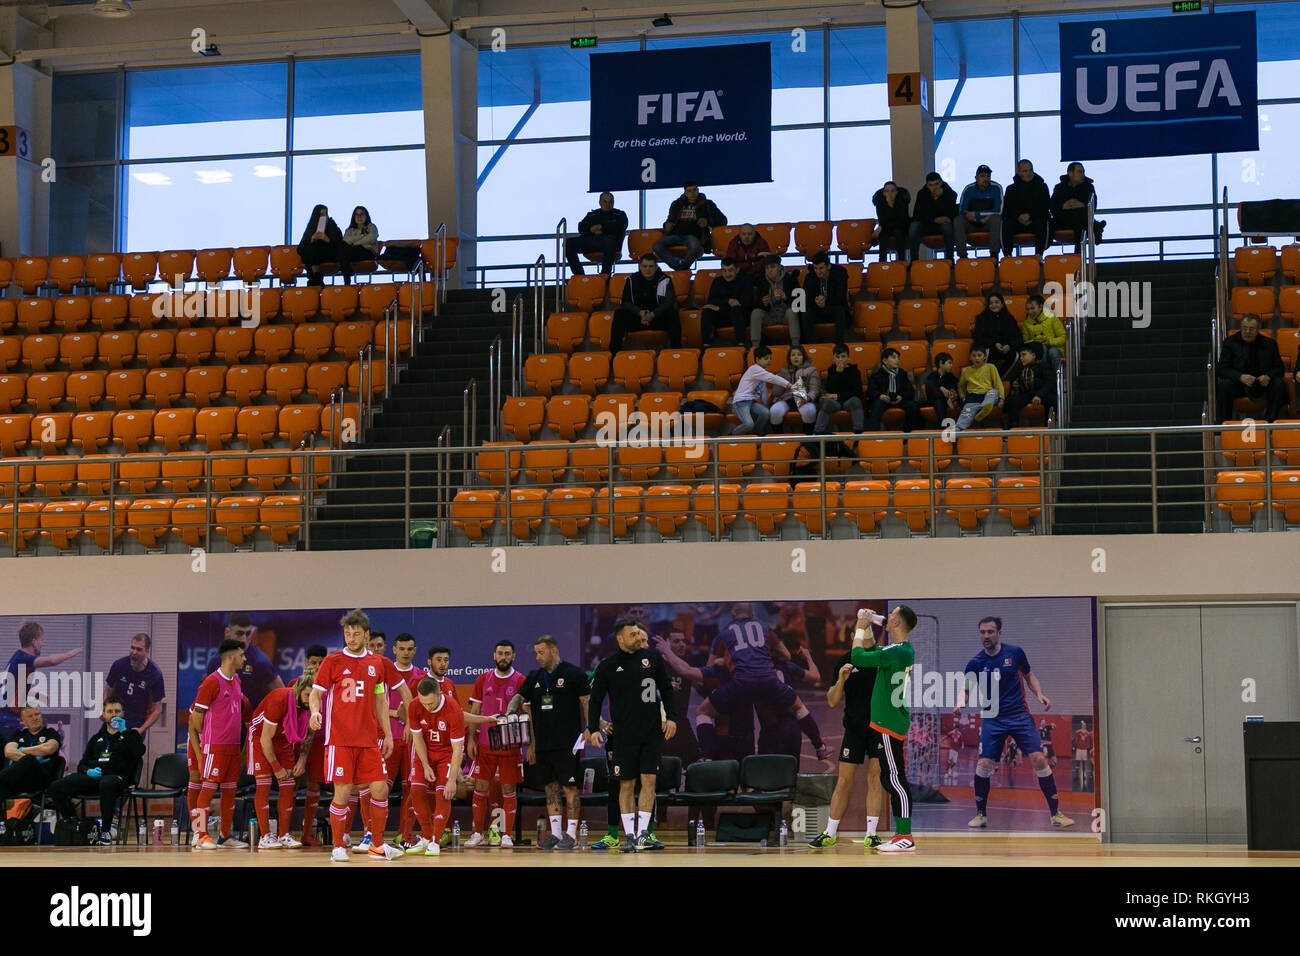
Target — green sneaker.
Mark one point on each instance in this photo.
(871, 842)
(493, 836)
(606, 843)
(444, 841)
(824, 841)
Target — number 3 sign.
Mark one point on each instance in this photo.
(15, 141)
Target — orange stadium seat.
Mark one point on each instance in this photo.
(351, 337)
(31, 273)
(624, 512)
(324, 377)
(866, 356)
(149, 520)
(280, 516)
(250, 263)
(91, 431)
(820, 356)
(612, 408)
(232, 344)
(54, 477)
(566, 330)
(640, 242)
(1289, 262)
(491, 462)
(678, 368)
(194, 346)
(46, 389)
(523, 417)
(929, 277)
(83, 390)
(716, 509)
(34, 315)
(666, 507)
(271, 343)
(1020, 499)
(404, 298)
(213, 265)
(375, 298)
(1255, 265)
(337, 302)
(116, 349)
(930, 452)
(599, 325)
(215, 425)
(703, 282)
(968, 502)
(95, 472)
(718, 399)
(296, 422)
(912, 503)
(103, 270)
(639, 462)
(1238, 452)
(873, 319)
(155, 347)
(401, 334)
(912, 356)
(811, 238)
(918, 317)
(8, 315)
(313, 340)
(865, 503)
(28, 521)
(880, 456)
(524, 511)
(1059, 268)
(474, 513)
(1248, 299)
(1024, 451)
(228, 474)
(140, 309)
(720, 238)
(109, 312)
(766, 505)
(685, 461)
(266, 473)
(974, 276)
(777, 235)
(245, 383)
(585, 293)
(736, 459)
(959, 315)
(1286, 442)
(132, 429)
(544, 373)
(886, 279)
(300, 303)
(589, 371)
(1286, 497)
(190, 520)
(1288, 304)
(778, 455)
(61, 523)
(139, 269)
(568, 510)
(633, 369)
(723, 367)
(376, 379)
(13, 391)
(1240, 494)
(979, 453)
(15, 433)
(545, 462)
(71, 312)
(286, 382)
(11, 351)
(808, 500)
(236, 518)
(173, 428)
(204, 384)
(124, 387)
(16, 476)
(182, 471)
(175, 266)
(1019, 274)
(568, 415)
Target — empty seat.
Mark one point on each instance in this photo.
(621, 514)
(132, 429)
(723, 367)
(250, 263)
(1024, 452)
(83, 389)
(524, 511)
(865, 504)
(313, 340)
(490, 460)
(27, 520)
(974, 276)
(375, 376)
(569, 511)
(16, 475)
(886, 279)
(1259, 301)
(194, 346)
(13, 391)
(337, 302)
(15, 433)
(959, 315)
(124, 387)
(567, 415)
(589, 371)
(103, 270)
(811, 238)
(266, 473)
(914, 501)
(633, 369)
(236, 517)
(280, 516)
(149, 520)
(474, 513)
(766, 505)
(544, 373)
(1059, 268)
(296, 422)
(351, 337)
(666, 508)
(639, 462)
(401, 334)
(880, 456)
(1020, 499)
(286, 382)
(233, 344)
(873, 319)
(175, 266)
(546, 462)
(155, 347)
(31, 273)
(300, 303)
(139, 269)
(91, 431)
(599, 325)
(853, 236)
(375, 299)
(929, 277)
(34, 315)
(61, 523)
(968, 501)
(271, 343)
(11, 351)
(213, 265)
(1240, 494)
(72, 312)
(109, 312)
(777, 235)
(1255, 265)
(979, 453)
(205, 384)
(523, 417)
(46, 390)
(50, 432)
(215, 425)
(1019, 274)
(584, 293)
(917, 318)
(678, 368)
(173, 428)
(1286, 496)
(245, 383)
(94, 472)
(808, 502)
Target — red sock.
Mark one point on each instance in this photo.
(309, 812)
(262, 803)
(479, 804)
(378, 821)
(441, 813)
(420, 806)
(353, 802)
(405, 816)
(284, 807)
(338, 822)
(227, 808)
(511, 802)
(192, 798)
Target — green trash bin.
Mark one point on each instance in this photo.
(424, 534)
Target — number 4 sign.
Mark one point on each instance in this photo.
(908, 89)
(15, 141)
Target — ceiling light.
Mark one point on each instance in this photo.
(114, 9)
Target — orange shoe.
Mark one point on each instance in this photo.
(204, 842)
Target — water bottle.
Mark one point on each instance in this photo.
(582, 835)
(157, 832)
(139, 834)
(541, 828)
(214, 826)
(783, 835)
(176, 832)
(700, 841)
(589, 780)
(253, 835)
(275, 828)
(455, 834)
(2, 831)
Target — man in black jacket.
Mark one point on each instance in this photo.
(826, 295)
(690, 217)
(1250, 366)
(729, 300)
(601, 230)
(891, 387)
(1025, 208)
(773, 295)
(841, 391)
(1032, 384)
(32, 751)
(1069, 204)
(649, 302)
(936, 208)
(109, 765)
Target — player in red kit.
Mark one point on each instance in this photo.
(278, 743)
(438, 739)
(492, 694)
(350, 684)
(1083, 754)
(399, 767)
(312, 658)
(215, 731)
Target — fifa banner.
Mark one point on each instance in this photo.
(663, 117)
(1158, 87)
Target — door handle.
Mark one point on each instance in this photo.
(1192, 740)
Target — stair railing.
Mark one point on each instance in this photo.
(516, 342)
(442, 480)
(439, 268)
(494, 388)
(365, 355)
(560, 265)
(469, 416)
(537, 283)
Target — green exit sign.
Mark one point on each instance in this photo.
(1187, 6)
(586, 43)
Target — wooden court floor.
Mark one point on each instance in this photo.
(931, 851)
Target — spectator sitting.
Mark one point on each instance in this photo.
(842, 392)
(108, 767)
(31, 750)
(979, 388)
(690, 217)
(1250, 366)
(981, 211)
(750, 401)
(826, 295)
(892, 219)
(890, 387)
(320, 243)
(750, 250)
(941, 389)
(935, 213)
(1069, 205)
(1026, 207)
(1031, 385)
(772, 295)
(801, 394)
(728, 303)
(601, 230)
(997, 333)
(1045, 330)
(360, 243)
(649, 302)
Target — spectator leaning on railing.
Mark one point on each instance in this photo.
(109, 765)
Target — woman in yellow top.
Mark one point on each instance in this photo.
(979, 388)
(1043, 327)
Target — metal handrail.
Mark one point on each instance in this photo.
(494, 388)
(440, 267)
(469, 413)
(365, 356)
(516, 343)
(560, 263)
(539, 300)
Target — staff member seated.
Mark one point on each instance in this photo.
(109, 765)
(31, 750)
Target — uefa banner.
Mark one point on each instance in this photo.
(1158, 87)
(663, 117)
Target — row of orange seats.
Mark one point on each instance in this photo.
(666, 508)
(172, 428)
(1242, 494)
(70, 313)
(156, 348)
(1264, 301)
(203, 385)
(250, 264)
(150, 520)
(929, 278)
(1258, 265)
(1283, 443)
(548, 462)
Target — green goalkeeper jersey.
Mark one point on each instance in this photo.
(888, 711)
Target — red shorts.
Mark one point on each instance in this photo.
(509, 766)
(220, 764)
(354, 765)
(400, 760)
(259, 766)
(316, 760)
(441, 764)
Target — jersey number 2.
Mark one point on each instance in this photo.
(352, 690)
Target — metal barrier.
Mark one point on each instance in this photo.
(439, 268)
(516, 343)
(537, 285)
(494, 388)
(469, 413)
(560, 263)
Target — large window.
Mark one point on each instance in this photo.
(219, 156)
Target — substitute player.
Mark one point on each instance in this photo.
(493, 691)
(853, 685)
(278, 742)
(555, 698)
(215, 731)
(408, 674)
(399, 695)
(641, 710)
(438, 740)
(312, 658)
(889, 716)
(350, 682)
(1007, 667)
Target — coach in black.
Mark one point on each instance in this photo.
(555, 698)
(110, 764)
(643, 714)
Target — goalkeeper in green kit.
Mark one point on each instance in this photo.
(889, 716)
